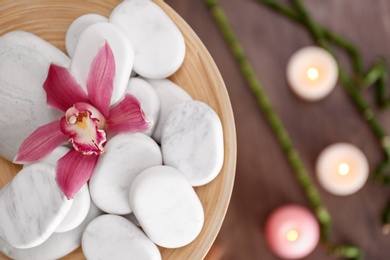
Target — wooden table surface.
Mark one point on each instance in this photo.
(264, 180)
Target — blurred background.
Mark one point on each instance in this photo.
(264, 180)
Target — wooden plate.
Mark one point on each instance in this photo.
(199, 76)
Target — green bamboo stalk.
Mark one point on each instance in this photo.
(377, 75)
(352, 88)
(284, 140)
(334, 38)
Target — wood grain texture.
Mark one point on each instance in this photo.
(264, 180)
(199, 76)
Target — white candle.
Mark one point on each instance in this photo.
(312, 73)
(342, 169)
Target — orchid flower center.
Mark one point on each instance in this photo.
(84, 125)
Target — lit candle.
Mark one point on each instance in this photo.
(312, 73)
(342, 169)
(292, 232)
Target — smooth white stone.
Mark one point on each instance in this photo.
(148, 98)
(32, 206)
(78, 212)
(192, 142)
(131, 217)
(2, 190)
(158, 43)
(22, 98)
(169, 95)
(166, 206)
(58, 245)
(125, 156)
(116, 238)
(77, 27)
(90, 40)
(36, 44)
(55, 155)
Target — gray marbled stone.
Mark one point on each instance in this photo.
(32, 206)
(169, 95)
(24, 63)
(115, 238)
(192, 142)
(56, 246)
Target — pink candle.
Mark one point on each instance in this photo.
(292, 232)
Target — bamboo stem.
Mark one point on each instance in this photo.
(377, 76)
(281, 134)
(337, 40)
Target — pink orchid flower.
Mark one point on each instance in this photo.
(86, 120)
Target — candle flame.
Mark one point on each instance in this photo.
(312, 73)
(343, 169)
(292, 235)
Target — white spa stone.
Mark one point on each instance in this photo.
(56, 246)
(169, 95)
(32, 206)
(55, 155)
(78, 212)
(131, 217)
(114, 237)
(23, 70)
(158, 43)
(81, 202)
(2, 190)
(166, 206)
(192, 142)
(90, 40)
(34, 43)
(125, 156)
(77, 27)
(148, 98)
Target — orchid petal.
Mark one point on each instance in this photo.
(62, 89)
(73, 171)
(127, 117)
(101, 79)
(41, 143)
(90, 40)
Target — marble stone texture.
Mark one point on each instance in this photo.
(56, 246)
(125, 156)
(148, 98)
(24, 63)
(32, 206)
(169, 94)
(27, 40)
(158, 43)
(166, 206)
(115, 238)
(81, 202)
(77, 27)
(77, 212)
(192, 142)
(90, 40)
